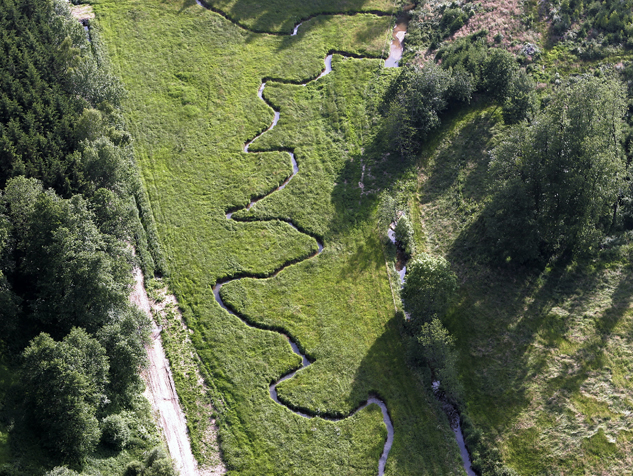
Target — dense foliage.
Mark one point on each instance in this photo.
(64, 385)
(611, 19)
(422, 94)
(437, 349)
(428, 288)
(561, 176)
(70, 209)
(429, 26)
(405, 235)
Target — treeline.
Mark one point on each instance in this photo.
(562, 170)
(464, 67)
(72, 215)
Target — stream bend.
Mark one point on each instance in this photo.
(305, 362)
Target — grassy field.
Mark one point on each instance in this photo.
(283, 15)
(192, 78)
(545, 354)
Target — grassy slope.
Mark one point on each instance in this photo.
(192, 77)
(545, 355)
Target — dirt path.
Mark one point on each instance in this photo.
(161, 392)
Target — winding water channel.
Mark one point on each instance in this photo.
(305, 362)
(395, 55)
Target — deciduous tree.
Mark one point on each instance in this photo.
(559, 178)
(64, 385)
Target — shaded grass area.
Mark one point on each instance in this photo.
(193, 78)
(545, 354)
(282, 15)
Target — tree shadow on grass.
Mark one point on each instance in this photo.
(464, 159)
(422, 436)
(513, 320)
(280, 16)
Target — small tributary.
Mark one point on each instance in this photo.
(447, 407)
(453, 417)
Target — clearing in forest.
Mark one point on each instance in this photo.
(193, 77)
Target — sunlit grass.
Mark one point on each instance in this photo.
(545, 354)
(192, 78)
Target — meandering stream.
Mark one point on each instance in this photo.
(295, 348)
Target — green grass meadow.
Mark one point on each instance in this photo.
(282, 15)
(192, 77)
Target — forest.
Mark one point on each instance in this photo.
(421, 269)
(72, 211)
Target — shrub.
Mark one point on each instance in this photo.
(161, 467)
(498, 70)
(437, 348)
(115, 432)
(521, 102)
(134, 468)
(61, 471)
(155, 455)
(429, 287)
(404, 235)
(158, 463)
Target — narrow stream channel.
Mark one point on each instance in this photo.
(449, 409)
(305, 362)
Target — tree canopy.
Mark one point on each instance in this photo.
(428, 287)
(561, 175)
(64, 385)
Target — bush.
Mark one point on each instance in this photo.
(404, 235)
(61, 471)
(437, 348)
(158, 463)
(498, 70)
(115, 432)
(161, 467)
(134, 468)
(155, 455)
(521, 102)
(428, 288)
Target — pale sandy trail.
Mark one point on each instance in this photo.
(161, 392)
